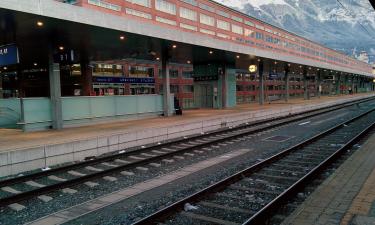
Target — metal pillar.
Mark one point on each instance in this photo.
(338, 84)
(86, 71)
(286, 83)
(55, 93)
(261, 83)
(305, 85)
(166, 81)
(319, 84)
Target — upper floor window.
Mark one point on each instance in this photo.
(237, 29)
(145, 3)
(188, 14)
(208, 20)
(249, 23)
(191, 2)
(138, 13)
(105, 5)
(236, 18)
(223, 25)
(206, 7)
(221, 13)
(165, 6)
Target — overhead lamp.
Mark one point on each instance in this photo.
(288, 64)
(211, 52)
(122, 37)
(5, 68)
(275, 62)
(39, 23)
(258, 60)
(157, 58)
(174, 46)
(238, 57)
(35, 64)
(188, 62)
(61, 48)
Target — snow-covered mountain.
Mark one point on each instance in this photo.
(343, 27)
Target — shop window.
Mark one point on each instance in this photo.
(173, 73)
(142, 89)
(188, 103)
(107, 70)
(141, 71)
(187, 74)
(188, 88)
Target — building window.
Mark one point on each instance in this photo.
(208, 20)
(173, 73)
(249, 33)
(249, 23)
(107, 70)
(188, 88)
(187, 74)
(165, 6)
(237, 29)
(167, 21)
(189, 27)
(224, 14)
(141, 71)
(191, 2)
(145, 3)
(188, 14)
(223, 25)
(238, 19)
(223, 36)
(104, 4)
(206, 7)
(259, 36)
(207, 31)
(174, 89)
(259, 27)
(138, 13)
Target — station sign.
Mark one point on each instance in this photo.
(9, 55)
(273, 76)
(206, 78)
(124, 80)
(64, 57)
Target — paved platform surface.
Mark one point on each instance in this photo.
(12, 139)
(347, 197)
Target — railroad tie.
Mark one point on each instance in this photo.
(91, 184)
(122, 161)
(142, 168)
(188, 154)
(155, 165)
(56, 178)
(109, 164)
(148, 155)
(199, 152)
(75, 173)
(127, 173)
(17, 207)
(109, 178)
(136, 157)
(10, 190)
(168, 160)
(178, 157)
(34, 184)
(158, 152)
(93, 169)
(45, 198)
(69, 191)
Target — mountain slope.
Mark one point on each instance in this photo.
(343, 27)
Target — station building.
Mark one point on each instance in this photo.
(67, 63)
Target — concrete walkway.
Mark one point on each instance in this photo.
(347, 197)
(12, 139)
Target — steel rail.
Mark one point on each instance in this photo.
(79, 180)
(112, 157)
(260, 216)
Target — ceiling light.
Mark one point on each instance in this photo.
(39, 23)
(35, 64)
(122, 37)
(238, 57)
(211, 52)
(188, 62)
(61, 48)
(157, 58)
(174, 46)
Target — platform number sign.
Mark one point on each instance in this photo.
(8, 55)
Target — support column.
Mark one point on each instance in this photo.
(338, 85)
(55, 93)
(305, 85)
(166, 81)
(319, 88)
(286, 68)
(261, 83)
(86, 71)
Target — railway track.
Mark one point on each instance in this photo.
(253, 195)
(63, 178)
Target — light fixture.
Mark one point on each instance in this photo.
(238, 57)
(300, 66)
(211, 52)
(188, 62)
(174, 46)
(61, 48)
(39, 23)
(309, 68)
(318, 69)
(35, 64)
(275, 62)
(258, 60)
(122, 37)
(5, 68)
(157, 58)
(288, 64)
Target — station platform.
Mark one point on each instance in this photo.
(347, 197)
(20, 151)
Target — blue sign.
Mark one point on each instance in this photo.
(8, 55)
(124, 80)
(272, 76)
